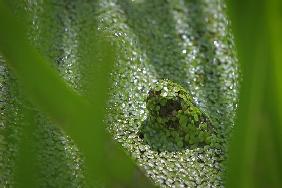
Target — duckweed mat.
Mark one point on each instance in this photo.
(185, 41)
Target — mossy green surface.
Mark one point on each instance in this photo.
(174, 121)
(185, 41)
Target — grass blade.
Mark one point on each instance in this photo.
(80, 119)
(255, 149)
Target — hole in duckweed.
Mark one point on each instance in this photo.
(174, 122)
(170, 107)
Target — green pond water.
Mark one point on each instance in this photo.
(185, 41)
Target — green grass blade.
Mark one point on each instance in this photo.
(255, 149)
(80, 119)
(274, 13)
